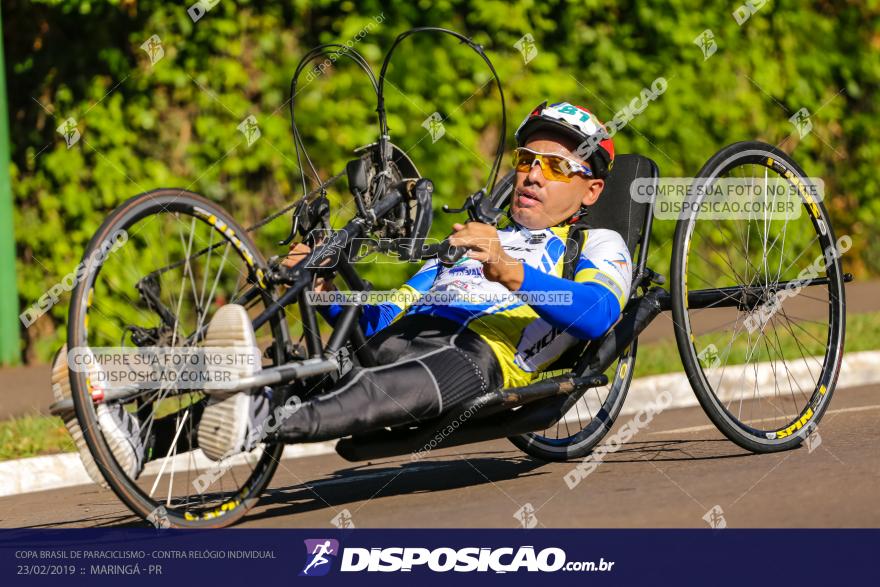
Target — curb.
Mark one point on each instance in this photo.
(856, 369)
(65, 470)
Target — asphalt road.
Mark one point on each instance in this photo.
(669, 475)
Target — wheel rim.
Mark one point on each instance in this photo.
(210, 266)
(788, 337)
(590, 416)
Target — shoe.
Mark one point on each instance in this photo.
(121, 429)
(232, 423)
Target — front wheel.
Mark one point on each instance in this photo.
(758, 297)
(158, 269)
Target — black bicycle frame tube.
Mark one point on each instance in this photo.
(310, 323)
(739, 296)
(348, 322)
(646, 238)
(302, 273)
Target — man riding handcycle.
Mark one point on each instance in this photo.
(478, 337)
(527, 331)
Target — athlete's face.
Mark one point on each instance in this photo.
(540, 203)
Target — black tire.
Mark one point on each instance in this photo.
(579, 440)
(698, 243)
(217, 508)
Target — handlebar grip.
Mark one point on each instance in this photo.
(392, 198)
(448, 254)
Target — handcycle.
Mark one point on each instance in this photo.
(185, 256)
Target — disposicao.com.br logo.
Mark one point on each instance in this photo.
(320, 554)
(444, 559)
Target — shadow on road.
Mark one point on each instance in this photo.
(675, 450)
(122, 520)
(358, 483)
(403, 476)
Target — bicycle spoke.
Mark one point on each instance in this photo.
(761, 376)
(195, 278)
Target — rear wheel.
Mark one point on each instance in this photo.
(588, 418)
(763, 359)
(177, 258)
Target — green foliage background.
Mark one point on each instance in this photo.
(175, 124)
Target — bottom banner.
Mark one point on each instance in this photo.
(559, 557)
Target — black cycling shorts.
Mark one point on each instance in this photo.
(426, 367)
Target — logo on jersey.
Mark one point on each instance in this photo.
(537, 338)
(540, 344)
(536, 239)
(621, 262)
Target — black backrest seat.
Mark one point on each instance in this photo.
(616, 209)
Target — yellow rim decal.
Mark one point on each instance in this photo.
(230, 234)
(796, 426)
(798, 183)
(223, 508)
(687, 253)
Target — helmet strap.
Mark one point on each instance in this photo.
(582, 211)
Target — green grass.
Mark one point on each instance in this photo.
(30, 436)
(862, 334)
(658, 358)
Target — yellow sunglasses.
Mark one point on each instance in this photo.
(554, 167)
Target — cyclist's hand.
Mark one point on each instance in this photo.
(482, 242)
(298, 252)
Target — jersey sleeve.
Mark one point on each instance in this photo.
(597, 295)
(376, 317)
(605, 261)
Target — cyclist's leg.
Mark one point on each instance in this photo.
(428, 366)
(423, 385)
(405, 338)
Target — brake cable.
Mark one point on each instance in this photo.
(383, 125)
(298, 143)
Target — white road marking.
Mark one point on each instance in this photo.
(712, 426)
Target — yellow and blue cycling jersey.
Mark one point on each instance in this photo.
(526, 332)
